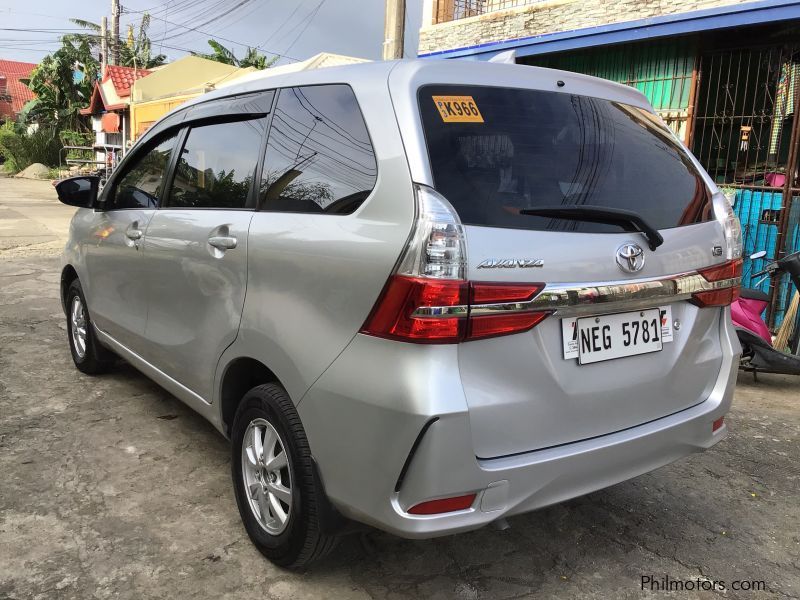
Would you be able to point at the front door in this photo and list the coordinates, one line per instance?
(195, 251)
(117, 294)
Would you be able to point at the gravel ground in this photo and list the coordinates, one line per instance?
(111, 488)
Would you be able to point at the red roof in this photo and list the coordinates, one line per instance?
(123, 78)
(16, 93)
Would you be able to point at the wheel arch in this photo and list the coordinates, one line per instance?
(240, 375)
(68, 275)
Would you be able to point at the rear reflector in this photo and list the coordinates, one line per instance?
(717, 424)
(730, 273)
(442, 311)
(443, 505)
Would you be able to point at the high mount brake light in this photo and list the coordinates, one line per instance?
(728, 275)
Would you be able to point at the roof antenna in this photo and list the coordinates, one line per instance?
(508, 57)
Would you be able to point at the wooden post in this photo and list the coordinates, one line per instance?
(103, 45)
(394, 26)
(114, 33)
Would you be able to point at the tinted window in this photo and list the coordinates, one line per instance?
(319, 157)
(217, 165)
(524, 149)
(142, 183)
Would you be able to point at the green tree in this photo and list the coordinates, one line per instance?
(252, 58)
(135, 52)
(63, 84)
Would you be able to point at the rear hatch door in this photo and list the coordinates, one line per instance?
(613, 355)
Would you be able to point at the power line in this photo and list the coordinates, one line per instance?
(309, 19)
(284, 23)
(219, 37)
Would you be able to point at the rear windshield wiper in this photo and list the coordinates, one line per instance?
(627, 219)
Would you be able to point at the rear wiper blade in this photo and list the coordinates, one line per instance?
(627, 219)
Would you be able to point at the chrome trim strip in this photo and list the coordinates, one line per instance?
(439, 312)
(583, 298)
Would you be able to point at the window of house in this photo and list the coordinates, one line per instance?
(319, 156)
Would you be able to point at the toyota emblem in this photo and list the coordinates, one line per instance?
(630, 257)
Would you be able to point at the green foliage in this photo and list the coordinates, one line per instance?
(59, 97)
(69, 137)
(251, 58)
(7, 131)
(136, 52)
(22, 150)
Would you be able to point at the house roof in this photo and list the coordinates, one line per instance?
(123, 77)
(113, 91)
(18, 92)
(733, 14)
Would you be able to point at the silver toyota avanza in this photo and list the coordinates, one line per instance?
(418, 295)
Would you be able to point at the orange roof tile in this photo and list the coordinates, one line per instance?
(16, 93)
(123, 78)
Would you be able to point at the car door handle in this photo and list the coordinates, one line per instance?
(222, 242)
(134, 234)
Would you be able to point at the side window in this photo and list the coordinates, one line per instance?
(142, 183)
(217, 165)
(319, 156)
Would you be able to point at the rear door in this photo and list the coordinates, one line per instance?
(497, 152)
(195, 248)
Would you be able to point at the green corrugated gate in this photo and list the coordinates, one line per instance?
(662, 71)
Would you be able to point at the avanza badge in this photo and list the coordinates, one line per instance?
(458, 109)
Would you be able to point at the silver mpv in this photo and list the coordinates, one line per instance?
(418, 295)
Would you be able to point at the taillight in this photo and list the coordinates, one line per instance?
(397, 313)
(499, 309)
(728, 277)
(731, 227)
(429, 301)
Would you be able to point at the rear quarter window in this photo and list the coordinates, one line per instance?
(319, 156)
(495, 151)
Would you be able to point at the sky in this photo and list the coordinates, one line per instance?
(293, 29)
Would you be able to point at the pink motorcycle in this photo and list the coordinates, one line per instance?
(758, 352)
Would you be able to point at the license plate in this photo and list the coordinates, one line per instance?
(606, 337)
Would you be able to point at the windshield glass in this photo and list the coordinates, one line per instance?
(496, 151)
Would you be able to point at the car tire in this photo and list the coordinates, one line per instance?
(266, 422)
(88, 354)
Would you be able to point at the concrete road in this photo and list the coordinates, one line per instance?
(32, 220)
(110, 488)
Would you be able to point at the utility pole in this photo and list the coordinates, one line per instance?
(103, 45)
(115, 10)
(394, 26)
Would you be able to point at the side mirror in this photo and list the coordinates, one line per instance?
(78, 191)
(759, 254)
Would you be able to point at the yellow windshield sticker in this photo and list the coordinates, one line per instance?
(458, 109)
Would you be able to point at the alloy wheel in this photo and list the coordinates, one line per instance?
(267, 476)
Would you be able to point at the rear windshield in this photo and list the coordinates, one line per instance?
(496, 151)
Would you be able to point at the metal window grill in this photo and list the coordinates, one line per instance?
(453, 10)
(663, 72)
(746, 136)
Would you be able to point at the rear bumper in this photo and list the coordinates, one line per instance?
(364, 416)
